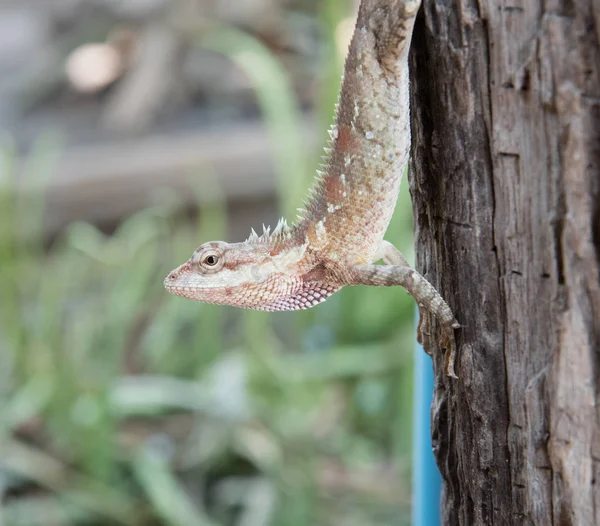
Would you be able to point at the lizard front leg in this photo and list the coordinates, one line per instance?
(390, 255)
(399, 273)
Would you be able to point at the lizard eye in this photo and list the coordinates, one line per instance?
(210, 260)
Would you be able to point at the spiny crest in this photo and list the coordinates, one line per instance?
(281, 232)
(316, 189)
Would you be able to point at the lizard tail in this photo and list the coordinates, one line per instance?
(391, 22)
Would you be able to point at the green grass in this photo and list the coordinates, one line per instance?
(121, 404)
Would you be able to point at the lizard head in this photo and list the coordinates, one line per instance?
(262, 273)
(238, 274)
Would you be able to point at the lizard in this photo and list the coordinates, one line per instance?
(338, 235)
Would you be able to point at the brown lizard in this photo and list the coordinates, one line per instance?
(339, 233)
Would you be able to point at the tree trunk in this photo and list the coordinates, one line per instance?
(505, 179)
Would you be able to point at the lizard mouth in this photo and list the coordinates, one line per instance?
(170, 283)
(178, 290)
(174, 286)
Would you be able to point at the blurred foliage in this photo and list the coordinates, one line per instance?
(121, 404)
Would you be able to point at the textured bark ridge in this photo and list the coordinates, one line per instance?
(505, 179)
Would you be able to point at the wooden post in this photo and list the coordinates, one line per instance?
(505, 179)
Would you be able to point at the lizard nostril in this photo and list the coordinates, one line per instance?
(172, 276)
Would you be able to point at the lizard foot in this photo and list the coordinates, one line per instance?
(423, 331)
(449, 344)
(447, 341)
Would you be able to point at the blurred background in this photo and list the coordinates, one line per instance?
(131, 132)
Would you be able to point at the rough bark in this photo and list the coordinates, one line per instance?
(505, 179)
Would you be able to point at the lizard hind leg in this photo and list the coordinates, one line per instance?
(398, 272)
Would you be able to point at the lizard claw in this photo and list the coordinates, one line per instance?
(448, 342)
(423, 331)
(449, 360)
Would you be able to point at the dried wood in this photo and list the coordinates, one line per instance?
(505, 180)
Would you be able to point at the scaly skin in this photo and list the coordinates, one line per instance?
(340, 233)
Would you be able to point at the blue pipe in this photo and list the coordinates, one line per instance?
(426, 478)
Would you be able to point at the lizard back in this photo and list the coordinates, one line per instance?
(351, 204)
